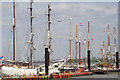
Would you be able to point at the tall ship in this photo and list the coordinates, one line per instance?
(27, 68)
(20, 68)
(110, 58)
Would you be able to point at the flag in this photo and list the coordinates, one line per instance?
(101, 49)
(91, 38)
(81, 24)
(84, 42)
(1, 57)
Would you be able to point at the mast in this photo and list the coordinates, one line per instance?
(49, 34)
(109, 45)
(79, 51)
(116, 52)
(115, 40)
(76, 44)
(70, 40)
(115, 43)
(14, 30)
(88, 51)
(31, 33)
(88, 37)
(103, 52)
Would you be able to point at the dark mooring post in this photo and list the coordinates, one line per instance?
(46, 61)
(117, 60)
(117, 54)
(88, 51)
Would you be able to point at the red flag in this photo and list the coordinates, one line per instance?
(83, 43)
(101, 49)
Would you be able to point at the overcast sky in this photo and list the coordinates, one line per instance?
(100, 15)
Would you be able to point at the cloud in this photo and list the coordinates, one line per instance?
(61, 7)
(111, 11)
(109, 8)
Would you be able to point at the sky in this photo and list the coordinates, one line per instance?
(62, 0)
(0, 28)
(100, 14)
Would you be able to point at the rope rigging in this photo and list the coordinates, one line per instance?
(9, 46)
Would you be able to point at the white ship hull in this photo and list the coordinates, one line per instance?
(17, 71)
